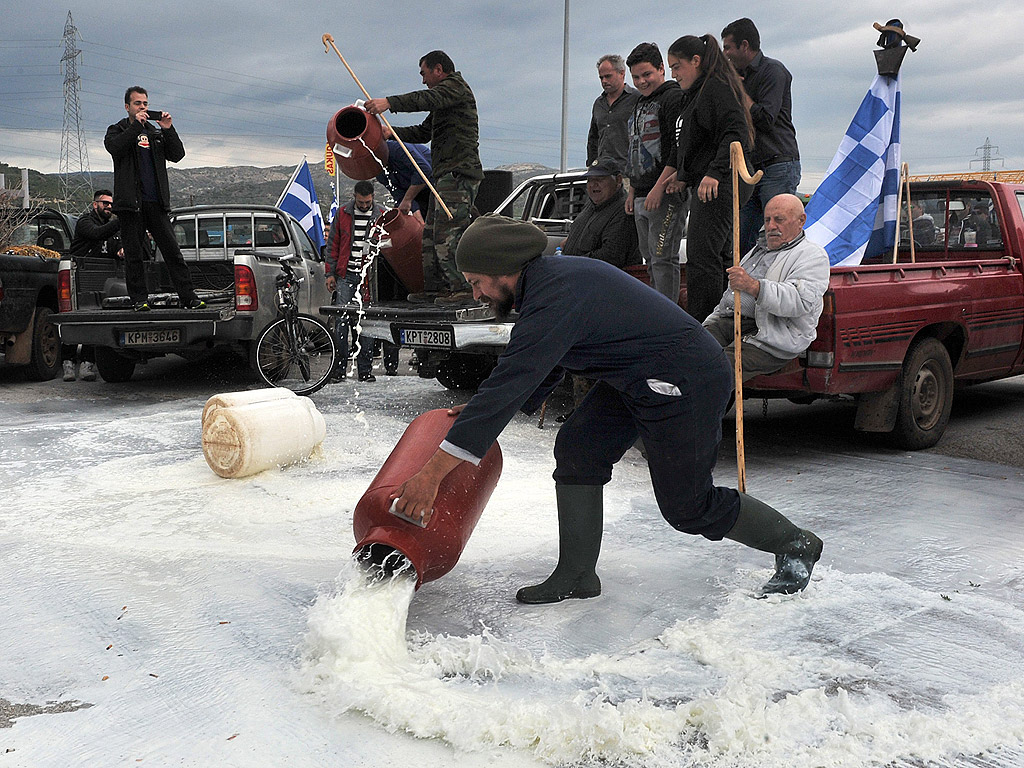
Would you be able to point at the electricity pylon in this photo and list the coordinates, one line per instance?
(75, 176)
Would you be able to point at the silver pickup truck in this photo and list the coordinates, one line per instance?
(233, 253)
(460, 347)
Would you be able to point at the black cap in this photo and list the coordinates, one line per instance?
(604, 166)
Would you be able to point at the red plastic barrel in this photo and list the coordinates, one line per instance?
(357, 140)
(435, 549)
(405, 254)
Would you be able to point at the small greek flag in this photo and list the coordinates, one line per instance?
(334, 204)
(853, 212)
(299, 199)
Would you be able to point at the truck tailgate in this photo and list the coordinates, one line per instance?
(154, 329)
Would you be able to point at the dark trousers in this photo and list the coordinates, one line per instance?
(709, 249)
(134, 225)
(681, 433)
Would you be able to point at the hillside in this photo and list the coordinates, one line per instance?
(211, 186)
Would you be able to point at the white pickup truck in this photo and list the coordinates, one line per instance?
(233, 253)
(460, 347)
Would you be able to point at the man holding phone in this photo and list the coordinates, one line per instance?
(141, 195)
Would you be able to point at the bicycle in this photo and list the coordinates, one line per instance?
(295, 351)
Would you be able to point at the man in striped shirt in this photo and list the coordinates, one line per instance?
(346, 254)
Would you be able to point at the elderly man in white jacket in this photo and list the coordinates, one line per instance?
(781, 284)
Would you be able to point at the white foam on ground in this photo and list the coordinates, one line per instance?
(674, 665)
(774, 682)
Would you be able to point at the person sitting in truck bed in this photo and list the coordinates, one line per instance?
(97, 235)
(603, 230)
(781, 283)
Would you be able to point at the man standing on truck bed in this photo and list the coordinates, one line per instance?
(611, 112)
(142, 197)
(768, 85)
(660, 376)
(96, 236)
(658, 214)
(452, 128)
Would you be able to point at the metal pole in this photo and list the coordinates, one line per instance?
(565, 92)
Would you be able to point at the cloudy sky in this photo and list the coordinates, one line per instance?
(251, 85)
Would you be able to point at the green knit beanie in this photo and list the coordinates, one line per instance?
(498, 245)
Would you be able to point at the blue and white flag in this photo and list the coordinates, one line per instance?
(334, 204)
(299, 199)
(853, 212)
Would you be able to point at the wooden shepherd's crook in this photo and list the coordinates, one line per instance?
(327, 38)
(904, 182)
(739, 171)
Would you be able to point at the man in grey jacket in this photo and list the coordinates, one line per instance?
(781, 284)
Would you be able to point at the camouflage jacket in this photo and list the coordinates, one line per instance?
(452, 127)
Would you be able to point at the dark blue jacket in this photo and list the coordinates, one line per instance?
(402, 174)
(590, 318)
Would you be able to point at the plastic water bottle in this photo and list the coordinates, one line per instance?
(558, 251)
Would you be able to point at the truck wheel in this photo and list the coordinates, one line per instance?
(926, 395)
(45, 360)
(462, 371)
(113, 366)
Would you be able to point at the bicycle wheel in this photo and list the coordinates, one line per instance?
(297, 354)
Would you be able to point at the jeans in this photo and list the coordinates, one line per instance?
(342, 330)
(343, 294)
(778, 179)
(659, 233)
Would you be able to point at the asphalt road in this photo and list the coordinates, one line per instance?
(987, 421)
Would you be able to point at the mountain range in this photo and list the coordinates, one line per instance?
(215, 186)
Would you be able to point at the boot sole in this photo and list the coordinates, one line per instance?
(547, 600)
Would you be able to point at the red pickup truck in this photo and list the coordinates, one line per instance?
(899, 336)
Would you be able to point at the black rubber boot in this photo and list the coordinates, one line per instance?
(580, 525)
(796, 550)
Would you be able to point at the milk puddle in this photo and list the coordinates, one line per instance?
(839, 676)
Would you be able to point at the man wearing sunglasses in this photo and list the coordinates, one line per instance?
(97, 234)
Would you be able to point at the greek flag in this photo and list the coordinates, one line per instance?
(853, 213)
(334, 203)
(299, 199)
